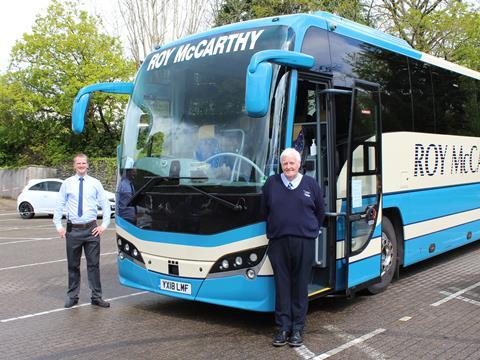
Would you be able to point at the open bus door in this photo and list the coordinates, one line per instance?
(313, 135)
(364, 185)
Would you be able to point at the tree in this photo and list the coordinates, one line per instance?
(444, 28)
(438, 27)
(64, 52)
(467, 52)
(230, 11)
(151, 23)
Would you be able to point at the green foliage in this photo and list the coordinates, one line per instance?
(240, 10)
(64, 52)
(444, 28)
(104, 169)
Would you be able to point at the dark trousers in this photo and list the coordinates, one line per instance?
(76, 240)
(292, 259)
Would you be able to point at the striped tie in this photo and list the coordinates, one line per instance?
(290, 186)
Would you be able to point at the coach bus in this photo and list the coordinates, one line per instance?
(391, 135)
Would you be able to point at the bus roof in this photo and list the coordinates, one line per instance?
(376, 37)
(301, 22)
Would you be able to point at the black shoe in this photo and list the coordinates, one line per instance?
(71, 302)
(296, 339)
(280, 338)
(100, 302)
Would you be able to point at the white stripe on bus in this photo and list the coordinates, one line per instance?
(439, 224)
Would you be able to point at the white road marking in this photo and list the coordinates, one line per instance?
(354, 342)
(471, 301)
(26, 239)
(14, 213)
(405, 318)
(368, 350)
(47, 262)
(27, 227)
(64, 309)
(456, 294)
(304, 352)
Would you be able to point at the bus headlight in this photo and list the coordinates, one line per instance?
(240, 260)
(127, 250)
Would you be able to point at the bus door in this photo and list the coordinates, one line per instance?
(313, 137)
(363, 189)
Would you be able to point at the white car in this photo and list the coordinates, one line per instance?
(40, 197)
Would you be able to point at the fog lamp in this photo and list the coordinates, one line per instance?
(251, 274)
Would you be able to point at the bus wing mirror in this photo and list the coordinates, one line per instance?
(257, 91)
(259, 76)
(82, 100)
(79, 112)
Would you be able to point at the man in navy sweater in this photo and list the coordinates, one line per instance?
(294, 210)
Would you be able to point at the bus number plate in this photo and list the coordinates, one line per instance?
(176, 286)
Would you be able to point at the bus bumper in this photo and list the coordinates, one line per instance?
(234, 291)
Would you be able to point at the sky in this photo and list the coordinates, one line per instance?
(18, 16)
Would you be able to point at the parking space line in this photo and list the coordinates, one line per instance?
(14, 213)
(18, 241)
(47, 262)
(349, 344)
(471, 301)
(46, 226)
(305, 353)
(64, 309)
(368, 350)
(454, 295)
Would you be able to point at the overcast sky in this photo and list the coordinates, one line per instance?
(18, 16)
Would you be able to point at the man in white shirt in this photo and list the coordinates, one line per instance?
(81, 194)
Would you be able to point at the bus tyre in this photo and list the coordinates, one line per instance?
(389, 257)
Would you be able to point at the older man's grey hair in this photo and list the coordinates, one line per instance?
(290, 152)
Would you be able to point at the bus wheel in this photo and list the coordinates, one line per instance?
(389, 257)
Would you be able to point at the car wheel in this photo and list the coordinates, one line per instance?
(26, 210)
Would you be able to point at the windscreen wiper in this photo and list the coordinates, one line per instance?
(235, 207)
(152, 180)
(239, 206)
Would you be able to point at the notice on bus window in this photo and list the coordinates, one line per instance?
(356, 194)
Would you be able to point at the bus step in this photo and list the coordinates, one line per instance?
(315, 290)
